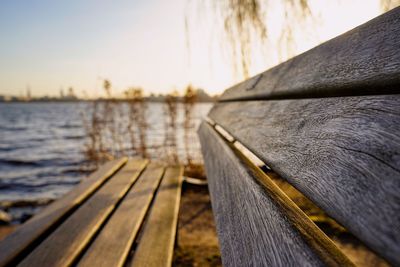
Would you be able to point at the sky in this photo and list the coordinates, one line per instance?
(48, 45)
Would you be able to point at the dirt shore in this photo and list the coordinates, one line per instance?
(197, 243)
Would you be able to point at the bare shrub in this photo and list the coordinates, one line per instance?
(118, 127)
(170, 128)
(189, 100)
(137, 124)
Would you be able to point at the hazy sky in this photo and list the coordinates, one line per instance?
(53, 44)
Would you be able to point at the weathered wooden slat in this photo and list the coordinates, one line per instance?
(19, 241)
(112, 245)
(343, 153)
(156, 245)
(63, 245)
(365, 60)
(257, 224)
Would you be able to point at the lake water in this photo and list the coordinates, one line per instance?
(42, 145)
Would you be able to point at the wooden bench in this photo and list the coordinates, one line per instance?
(124, 213)
(328, 123)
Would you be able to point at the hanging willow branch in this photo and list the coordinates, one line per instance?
(244, 24)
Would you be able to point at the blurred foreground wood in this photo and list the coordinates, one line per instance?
(126, 213)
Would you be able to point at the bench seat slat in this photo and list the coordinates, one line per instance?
(343, 153)
(112, 245)
(363, 61)
(252, 228)
(20, 240)
(156, 244)
(63, 245)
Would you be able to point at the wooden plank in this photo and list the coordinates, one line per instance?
(112, 245)
(156, 245)
(343, 153)
(363, 61)
(66, 243)
(257, 223)
(20, 240)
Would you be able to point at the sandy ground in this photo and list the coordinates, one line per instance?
(197, 239)
(358, 253)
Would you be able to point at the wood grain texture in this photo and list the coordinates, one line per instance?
(365, 60)
(20, 240)
(252, 229)
(63, 246)
(156, 245)
(112, 245)
(326, 249)
(342, 153)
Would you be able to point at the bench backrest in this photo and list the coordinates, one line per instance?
(328, 122)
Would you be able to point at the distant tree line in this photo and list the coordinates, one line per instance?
(202, 96)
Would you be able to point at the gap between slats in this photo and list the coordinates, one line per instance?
(325, 223)
(394, 90)
(132, 170)
(150, 167)
(139, 235)
(44, 232)
(117, 205)
(342, 153)
(167, 183)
